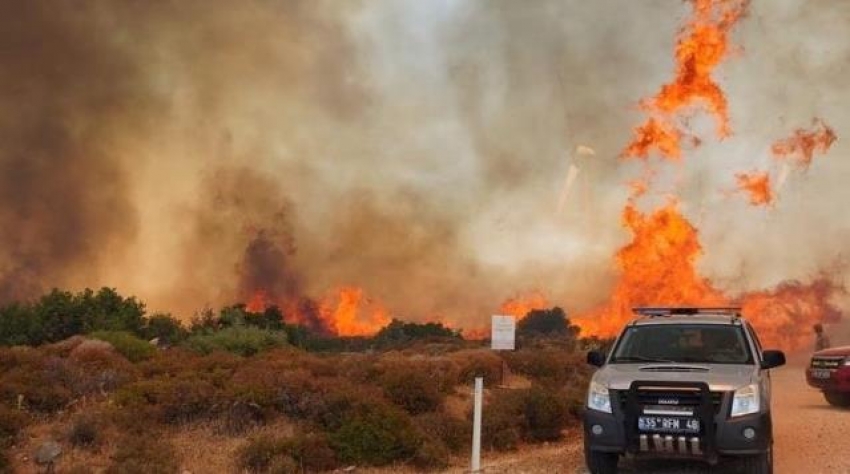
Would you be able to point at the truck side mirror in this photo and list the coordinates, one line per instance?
(596, 358)
(772, 359)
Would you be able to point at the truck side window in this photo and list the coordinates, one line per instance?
(755, 339)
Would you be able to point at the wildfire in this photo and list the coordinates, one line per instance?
(656, 268)
(702, 44)
(258, 302)
(350, 313)
(802, 145)
(519, 306)
(655, 134)
(785, 314)
(345, 312)
(757, 185)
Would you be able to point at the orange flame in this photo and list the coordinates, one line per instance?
(802, 145)
(519, 306)
(345, 312)
(655, 134)
(701, 46)
(258, 302)
(757, 185)
(784, 315)
(657, 268)
(350, 313)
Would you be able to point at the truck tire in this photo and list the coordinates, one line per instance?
(601, 463)
(837, 399)
(760, 463)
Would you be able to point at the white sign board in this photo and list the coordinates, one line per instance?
(503, 333)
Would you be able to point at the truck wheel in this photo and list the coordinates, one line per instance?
(837, 399)
(760, 463)
(601, 463)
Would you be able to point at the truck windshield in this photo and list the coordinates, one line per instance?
(699, 343)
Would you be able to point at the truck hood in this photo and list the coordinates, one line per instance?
(842, 351)
(719, 377)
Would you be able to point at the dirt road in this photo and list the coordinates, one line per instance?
(810, 438)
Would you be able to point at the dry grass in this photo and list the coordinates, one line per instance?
(202, 451)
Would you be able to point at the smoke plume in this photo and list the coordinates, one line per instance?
(190, 153)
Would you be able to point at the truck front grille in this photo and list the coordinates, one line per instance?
(658, 397)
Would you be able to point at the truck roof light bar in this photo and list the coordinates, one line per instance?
(655, 311)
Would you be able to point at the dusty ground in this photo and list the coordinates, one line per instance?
(810, 436)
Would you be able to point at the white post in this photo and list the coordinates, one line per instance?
(476, 426)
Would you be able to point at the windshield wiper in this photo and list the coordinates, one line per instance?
(641, 359)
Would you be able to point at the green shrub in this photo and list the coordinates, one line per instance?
(546, 414)
(149, 454)
(244, 341)
(549, 323)
(128, 345)
(165, 328)
(375, 434)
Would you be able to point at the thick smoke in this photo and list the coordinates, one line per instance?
(68, 97)
(186, 152)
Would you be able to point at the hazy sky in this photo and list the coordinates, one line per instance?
(414, 148)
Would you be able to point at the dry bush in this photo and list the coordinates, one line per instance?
(85, 431)
(175, 400)
(535, 414)
(12, 422)
(5, 463)
(454, 433)
(95, 367)
(148, 454)
(442, 372)
(553, 366)
(77, 469)
(474, 363)
(41, 380)
(241, 416)
(359, 368)
(63, 348)
(411, 387)
(431, 454)
(310, 453)
(258, 453)
(503, 423)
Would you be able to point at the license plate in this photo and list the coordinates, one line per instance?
(821, 373)
(666, 424)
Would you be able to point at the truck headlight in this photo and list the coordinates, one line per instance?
(598, 398)
(746, 401)
(847, 361)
